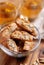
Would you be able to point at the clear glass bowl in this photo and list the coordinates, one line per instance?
(22, 54)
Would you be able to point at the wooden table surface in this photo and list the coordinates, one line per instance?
(7, 60)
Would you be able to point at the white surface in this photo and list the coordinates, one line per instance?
(39, 22)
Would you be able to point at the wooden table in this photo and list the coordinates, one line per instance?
(7, 60)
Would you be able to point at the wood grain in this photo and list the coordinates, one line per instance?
(3, 58)
(35, 55)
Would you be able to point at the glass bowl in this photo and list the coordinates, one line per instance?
(22, 54)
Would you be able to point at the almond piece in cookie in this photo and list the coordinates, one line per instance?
(8, 29)
(27, 26)
(12, 26)
(12, 45)
(21, 35)
(6, 33)
(17, 35)
(28, 45)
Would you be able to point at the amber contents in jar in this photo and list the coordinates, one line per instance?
(31, 8)
(7, 12)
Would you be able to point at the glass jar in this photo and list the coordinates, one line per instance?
(31, 8)
(8, 10)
